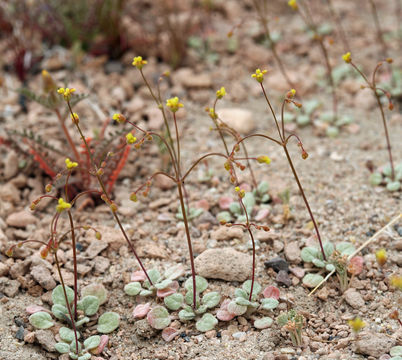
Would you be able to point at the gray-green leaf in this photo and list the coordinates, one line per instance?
(58, 295)
(41, 320)
(108, 322)
(206, 323)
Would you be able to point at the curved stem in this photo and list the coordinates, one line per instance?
(253, 274)
(198, 161)
(68, 137)
(272, 111)
(74, 263)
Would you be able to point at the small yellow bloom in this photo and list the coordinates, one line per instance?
(62, 205)
(237, 189)
(121, 119)
(291, 93)
(347, 58)
(75, 118)
(131, 139)
(381, 257)
(221, 93)
(293, 4)
(70, 164)
(66, 92)
(264, 159)
(259, 75)
(138, 62)
(133, 197)
(212, 114)
(356, 324)
(173, 104)
(396, 281)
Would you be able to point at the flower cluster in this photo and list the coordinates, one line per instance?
(70, 164)
(173, 104)
(119, 118)
(75, 118)
(221, 93)
(62, 205)
(66, 92)
(347, 58)
(138, 62)
(259, 75)
(293, 4)
(241, 192)
(130, 138)
(264, 159)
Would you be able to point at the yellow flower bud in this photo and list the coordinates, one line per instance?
(75, 118)
(70, 164)
(66, 92)
(62, 205)
(130, 138)
(259, 75)
(347, 57)
(293, 4)
(264, 159)
(356, 324)
(138, 62)
(173, 104)
(221, 93)
(119, 118)
(381, 257)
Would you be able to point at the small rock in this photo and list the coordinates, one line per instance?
(101, 264)
(29, 337)
(240, 335)
(151, 249)
(46, 339)
(277, 264)
(155, 118)
(226, 264)
(323, 293)
(10, 193)
(278, 246)
(241, 120)
(10, 165)
(398, 244)
(112, 236)
(374, 344)
(292, 252)
(283, 278)
(9, 287)
(3, 269)
(144, 330)
(95, 248)
(227, 233)
(20, 219)
(353, 298)
(298, 272)
(43, 276)
(20, 333)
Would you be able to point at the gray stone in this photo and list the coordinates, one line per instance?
(43, 276)
(374, 344)
(9, 287)
(277, 264)
(239, 119)
(143, 329)
(20, 219)
(226, 264)
(46, 339)
(353, 298)
(283, 278)
(227, 233)
(95, 248)
(292, 252)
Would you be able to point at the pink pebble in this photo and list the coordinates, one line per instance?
(203, 204)
(355, 266)
(262, 214)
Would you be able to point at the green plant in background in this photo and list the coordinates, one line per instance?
(393, 184)
(293, 323)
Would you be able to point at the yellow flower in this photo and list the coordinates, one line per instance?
(237, 189)
(264, 159)
(75, 118)
(119, 118)
(381, 257)
(259, 75)
(347, 57)
(396, 281)
(293, 4)
(173, 104)
(133, 197)
(66, 92)
(62, 205)
(291, 93)
(138, 62)
(70, 164)
(221, 93)
(212, 113)
(356, 324)
(131, 139)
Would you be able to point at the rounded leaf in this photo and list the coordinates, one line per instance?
(189, 298)
(263, 323)
(309, 253)
(200, 283)
(355, 265)
(41, 320)
(132, 288)
(141, 310)
(235, 208)
(269, 303)
(312, 280)
(67, 335)
(375, 178)
(169, 333)
(97, 290)
(241, 293)
(174, 272)
(154, 275)
(90, 305)
(62, 347)
(138, 276)
(262, 187)
(146, 292)
(186, 315)
(211, 299)
(92, 342)
(396, 351)
(84, 357)
(319, 263)
(163, 284)
(233, 308)
(206, 323)
(158, 318)
(174, 301)
(393, 186)
(271, 292)
(60, 311)
(171, 289)
(242, 301)
(73, 348)
(224, 216)
(224, 315)
(256, 288)
(330, 267)
(58, 295)
(303, 120)
(104, 340)
(82, 321)
(108, 322)
(328, 249)
(345, 248)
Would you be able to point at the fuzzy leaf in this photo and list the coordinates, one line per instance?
(224, 216)
(396, 351)
(211, 299)
(146, 292)
(67, 335)
(158, 318)
(163, 284)
(282, 319)
(319, 263)
(375, 178)
(186, 315)
(206, 323)
(271, 292)
(58, 295)
(60, 312)
(141, 310)
(97, 290)
(249, 202)
(189, 298)
(41, 320)
(269, 303)
(263, 323)
(200, 283)
(256, 288)
(92, 342)
(174, 301)
(174, 272)
(312, 280)
(242, 301)
(328, 249)
(73, 347)
(90, 305)
(62, 347)
(345, 248)
(235, 208)
(309, 253)
(303, 120)
(393, 186)
(155, 277)
(233, 308)
(329, 267)
(108, 322)
(132, 288)
(82, 321)
(241, 293)
(262, 188)
(84, 357)
(171, 289)
(201, 310)
(169, 333)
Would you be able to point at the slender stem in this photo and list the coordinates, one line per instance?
(177, 142)
(66, 299)
(378, 27)
(253, 274)
(305, 199)
(338, 22)
(74, 263)
(272, 111)
(68, 137)
(190, 247)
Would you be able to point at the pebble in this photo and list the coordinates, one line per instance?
(227, 233)
(10, 165)
(101, 264)
(298, 272)
(10, 193)
(239, 119)
(3, 269)
(20, 219)
(43, 276)
(9, 287)
(283, 278)
(240, 335)
(374, 344)
(353, 298)
(225, 264)
(20, 333)
(95, 248)
(292, 252)
(151, 249)
(277, 264)
(46, 339)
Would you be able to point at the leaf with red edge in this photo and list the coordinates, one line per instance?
(104, 339)
(32, 309)
(138, 276)
(171, 289)
(355, 266)
(169, 333)
(271, 292)
(224, 202)
(141, 310)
